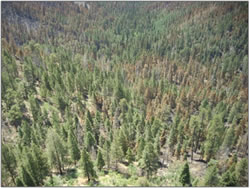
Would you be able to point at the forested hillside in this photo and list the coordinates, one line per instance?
(124, 93)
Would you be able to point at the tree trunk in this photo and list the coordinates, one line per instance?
(88, 177)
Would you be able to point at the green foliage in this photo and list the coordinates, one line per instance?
(99, 161)
(228, 179)
(8, 162)
(89, 141)
(149, 160)
(55, 150)
(212, 176)
(73, 146)
(185, 178)
(116, 150)
(87, 166)
(241, 172)
(130, 157)
(166, 78)
(214, 137)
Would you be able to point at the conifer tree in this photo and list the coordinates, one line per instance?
(214, 137)
(8, 162)
(123, 141)
(157, 146)
(116, 150)
(228, 179)
(41, 163)
(25, 177)
(30, 165)
(178, 151)
(149, 160)
(172, 139)
(107, 153)
(242, 172)
(140, 148)
(211, 177)
(99, 161)
(129, 156)
(229, 138)
(55, 149)
(73, 147)
(185, 179)
(26, 133)
(19, 183)
(87, 166)
(89, 141)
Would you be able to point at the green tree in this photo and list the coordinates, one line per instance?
(25, 177)
(55, 149)
(178, 151)
(26, 133)
(228, 179)
(89, 141)
(34, 107)
(87, 166)
(8, 162)
(116, 150)
(214, 137)
(211, 178)
(74, 151)
(184, 178)
(242, 172)
(130, 157)
(107, 153)
(149, 160)
(41, 163)
(157, 146)
(99, 161)
(228, 140)
(15, 115)
(140, 148)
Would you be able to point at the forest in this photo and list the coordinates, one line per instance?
(124, 94)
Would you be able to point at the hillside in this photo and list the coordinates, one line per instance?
(124, 93)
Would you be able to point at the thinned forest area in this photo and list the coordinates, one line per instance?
(124, 94)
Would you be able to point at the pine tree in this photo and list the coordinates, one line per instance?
(140, 148)
(211, 177)
(172, 138)
(116, 150)
(19, 183)
(242, 172)
(25, 177)
(87, 166)
(228, 179)
(214, 137)
(8, 162)
(41, 162)
(30, 165)
(149, 160)
(99, 161)
(26, 133)
(55, 149)
(178, 151)
(107, 153)
(157, 146)
(129, 156)
(123, 141)
(89, 141)
(89, 117)
(185, 179)
(228, 140)
(73, 147)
